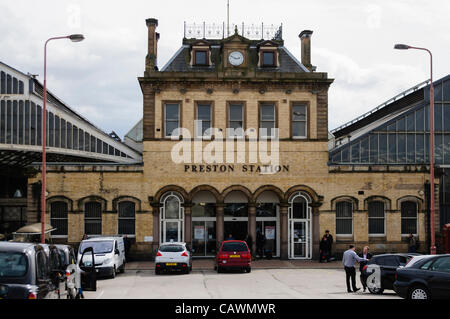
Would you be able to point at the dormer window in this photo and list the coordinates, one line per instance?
(268, 58)
(200, 57)
(268, 54)
(201, 54)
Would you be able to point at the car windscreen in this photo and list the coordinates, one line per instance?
(13, 264)
(171, 248)
(100, 247)
(234, 247)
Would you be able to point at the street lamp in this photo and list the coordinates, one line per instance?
(73, 38)
(433, 237)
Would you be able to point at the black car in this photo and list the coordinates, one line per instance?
(428, 277)
(25, 272)
(379, 273)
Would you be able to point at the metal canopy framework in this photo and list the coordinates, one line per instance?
(70, 137)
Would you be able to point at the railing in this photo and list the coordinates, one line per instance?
(406, 92)
(220, 31)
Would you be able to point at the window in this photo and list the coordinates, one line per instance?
(58, 218)
(376, 218)
(409, 217)
(267, 120)
(235, 119)
(13, 264)
(93, 218)
(204, 118)
(268, 59)
(171, 118)
(41, 265)
(127, 218)
(344, 218)
(298, 121)
(442, 264)
(201, 57)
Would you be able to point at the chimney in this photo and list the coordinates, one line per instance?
(305, 38)
(152, 52)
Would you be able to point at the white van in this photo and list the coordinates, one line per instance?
(109, 254)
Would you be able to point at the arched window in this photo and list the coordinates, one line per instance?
(299, 206)
(127, 218)
(58, 218)
(93, 218)
(377, 218)
(344, 218)
(409, 217)
(172, 217)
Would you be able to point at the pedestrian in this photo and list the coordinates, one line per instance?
(260, 242)
(230, 237)
(323, 249)
(349, 259)
(411, 243)
(330, 243)
(365, 254)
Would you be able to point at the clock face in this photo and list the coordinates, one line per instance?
(236, 58)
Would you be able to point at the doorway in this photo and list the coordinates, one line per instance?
(238, 228)
(299, 226)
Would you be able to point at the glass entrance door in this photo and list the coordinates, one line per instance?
(270, 230)
(204, 238)
(172, 231)
(299, 239)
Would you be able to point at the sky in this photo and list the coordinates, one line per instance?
(352, 41)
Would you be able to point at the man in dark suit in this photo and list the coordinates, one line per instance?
(367, 255)
(329, 244)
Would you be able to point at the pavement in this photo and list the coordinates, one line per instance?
(208, 264)
(261, 283)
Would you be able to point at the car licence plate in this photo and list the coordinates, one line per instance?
(171, 264)
(235, 256)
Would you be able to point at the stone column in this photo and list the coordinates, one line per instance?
(219, 223)
(156, 226)
(252, 225)
(284, 230)
(188, 223)
(315, 233)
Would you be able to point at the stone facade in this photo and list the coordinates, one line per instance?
(303, 164)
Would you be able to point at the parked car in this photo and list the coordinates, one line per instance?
(426, 277)
(109, 254)
(379, 273)
(173, 256)
(25, 272)
(233, 254)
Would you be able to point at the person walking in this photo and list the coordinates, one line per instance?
(365, 254)
(323, 248)
(329, 243)
(349, 258)
(411, 243)
(260, 242)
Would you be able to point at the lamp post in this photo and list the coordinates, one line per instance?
(432, 231)
(73, 38)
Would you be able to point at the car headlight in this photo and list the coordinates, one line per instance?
(107, 261)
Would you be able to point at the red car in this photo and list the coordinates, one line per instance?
(233, 254)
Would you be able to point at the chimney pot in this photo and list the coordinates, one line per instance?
(305, 38)
(152, 52)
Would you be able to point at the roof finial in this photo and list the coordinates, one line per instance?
(235, 30)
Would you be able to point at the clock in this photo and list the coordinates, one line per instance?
(236, 58)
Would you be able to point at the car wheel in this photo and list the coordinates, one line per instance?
(113, 275)
(219, 270)
(215, 267)
(122, 269)
(249, 269)
(157, 271)
(418, 292)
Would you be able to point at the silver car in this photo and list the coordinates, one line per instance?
(173, 256)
